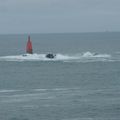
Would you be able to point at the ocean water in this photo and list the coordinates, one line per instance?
(81, 83)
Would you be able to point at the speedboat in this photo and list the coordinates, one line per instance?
(29, 50)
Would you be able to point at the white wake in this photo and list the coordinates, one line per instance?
(80, 57)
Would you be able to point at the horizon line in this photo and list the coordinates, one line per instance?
(59, 33)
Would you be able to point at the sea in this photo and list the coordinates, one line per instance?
(82, 82)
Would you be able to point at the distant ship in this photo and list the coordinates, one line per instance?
(29, 50)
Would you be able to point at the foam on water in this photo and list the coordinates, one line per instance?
(81, 57)
(9, 91)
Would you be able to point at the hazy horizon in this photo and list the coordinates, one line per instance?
(60, 33)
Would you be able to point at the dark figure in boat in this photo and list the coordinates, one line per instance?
(50, 55)
(29, 50)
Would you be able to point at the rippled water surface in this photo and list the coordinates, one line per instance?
(81, 83)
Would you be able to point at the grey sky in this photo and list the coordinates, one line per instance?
(50, 16)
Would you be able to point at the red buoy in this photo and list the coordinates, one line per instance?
(29, 46)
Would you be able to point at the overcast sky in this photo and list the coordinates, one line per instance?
(51, 16)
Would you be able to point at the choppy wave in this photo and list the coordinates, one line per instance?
(9, 91)
(79, 57)
(15, 96)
